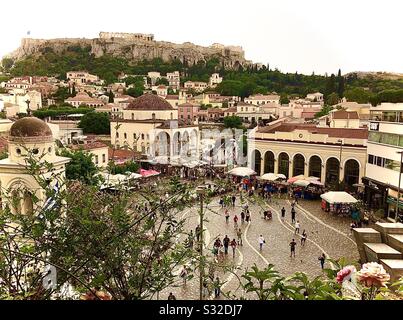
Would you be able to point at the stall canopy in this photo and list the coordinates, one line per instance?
(293, 179)
(148, 173)
(269, 177)
(302, 183)
(338, 197)
(242, 172)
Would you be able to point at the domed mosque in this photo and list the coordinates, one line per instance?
(150, 125)
(30, 139)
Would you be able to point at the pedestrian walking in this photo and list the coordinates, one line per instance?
(183, 274)
(242, 216)
(197, 232)
(171, 296)
(292, 215)
(239, 235)
(226, 242)
(261, 241)
(191, 239)
(322, 260)
(226, 216)
(221, 202)
(247, 215)
(282, 213)
(303, 239)
(233, 246)
(292, 246)
(236, 221)
(217, 289)
(297, 227)
(233, 200)
(352, 226)
(205, 289)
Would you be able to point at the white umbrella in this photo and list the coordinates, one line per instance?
(281, 176)
(311, 178)
(302, 183)
(242, 172)
(269, 177)
(338, 197)
(134, 175)
(316, 183)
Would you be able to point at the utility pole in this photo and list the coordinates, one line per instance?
(200, 192)
(398, 190)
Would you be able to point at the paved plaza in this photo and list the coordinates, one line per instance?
(326, 234)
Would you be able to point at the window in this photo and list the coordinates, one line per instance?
(117, 134)
(371, 159)
(380, 161)
(142, 136)
(18, 150)
(376, 115)
(389, 116)
(400, 115)
(103, 158)
(96, 159)
(392, 139)
(125, 135)
(134, 136)
(132, 116)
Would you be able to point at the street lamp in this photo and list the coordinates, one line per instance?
(200, 190)
(340, 168)
(398, 189)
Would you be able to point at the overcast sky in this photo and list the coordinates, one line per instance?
(292, 35)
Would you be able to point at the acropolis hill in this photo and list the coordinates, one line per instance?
(136, 47)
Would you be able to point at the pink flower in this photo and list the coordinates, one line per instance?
(345, 273)
(373, 274)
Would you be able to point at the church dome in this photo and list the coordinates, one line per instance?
(149, 102)
(29, 128)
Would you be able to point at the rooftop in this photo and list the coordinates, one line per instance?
(331, 132)
(149, 102)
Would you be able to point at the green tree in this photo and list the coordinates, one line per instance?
(284, 99)
(162, 81)
(81, 166)
(111, 96)
(358, 95)
(325, 111)
(135, 92)
(95, 122)
(7, 63)
(233, 122)
(340, 85)
(332, 99)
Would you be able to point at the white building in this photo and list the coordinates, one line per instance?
(385, 141)
(154, 76)
(259, 99)
(315, 97)
(174, 79)
(215, 79)
(81, 77)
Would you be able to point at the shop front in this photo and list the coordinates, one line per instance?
(376, 194)
(392, 205)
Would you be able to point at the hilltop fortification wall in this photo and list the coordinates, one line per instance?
(136, 47)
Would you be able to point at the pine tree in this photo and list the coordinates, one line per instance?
(340, 86)
(111, 97)
(73, 90)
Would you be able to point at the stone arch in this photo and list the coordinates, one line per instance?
(256, 161)
(332, 171)
(315, 166)
(269, 162)
(351, 172)
(163, 144)
(298, 164)
(176, 143)
(283, 163)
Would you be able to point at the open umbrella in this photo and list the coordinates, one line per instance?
(302, 183)
(242, 172)
(311, 178)
(293, 179)
(338, 197)
(281, 176)
(269, 177)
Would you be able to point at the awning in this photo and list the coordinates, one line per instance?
(242, 172)
(338, 197)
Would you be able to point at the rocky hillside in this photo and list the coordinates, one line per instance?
(135, 50)
(376, 75)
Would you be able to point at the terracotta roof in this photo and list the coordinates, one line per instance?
(83, 96)
(215, 110)
(89, 146)
(149, 102)
(332, 132)
(232, 109)
(342, 114)
(264, 97)
(121, 154)
(188, 105)
(172, 97)
(30, 127)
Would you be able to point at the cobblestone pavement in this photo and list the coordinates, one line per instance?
(326, 234)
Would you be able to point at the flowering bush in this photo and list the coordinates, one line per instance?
(345, 273)
(373, 274)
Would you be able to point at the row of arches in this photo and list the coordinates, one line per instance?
(181, 143)
(315, 166)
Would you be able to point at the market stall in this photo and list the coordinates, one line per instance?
(338, 202)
